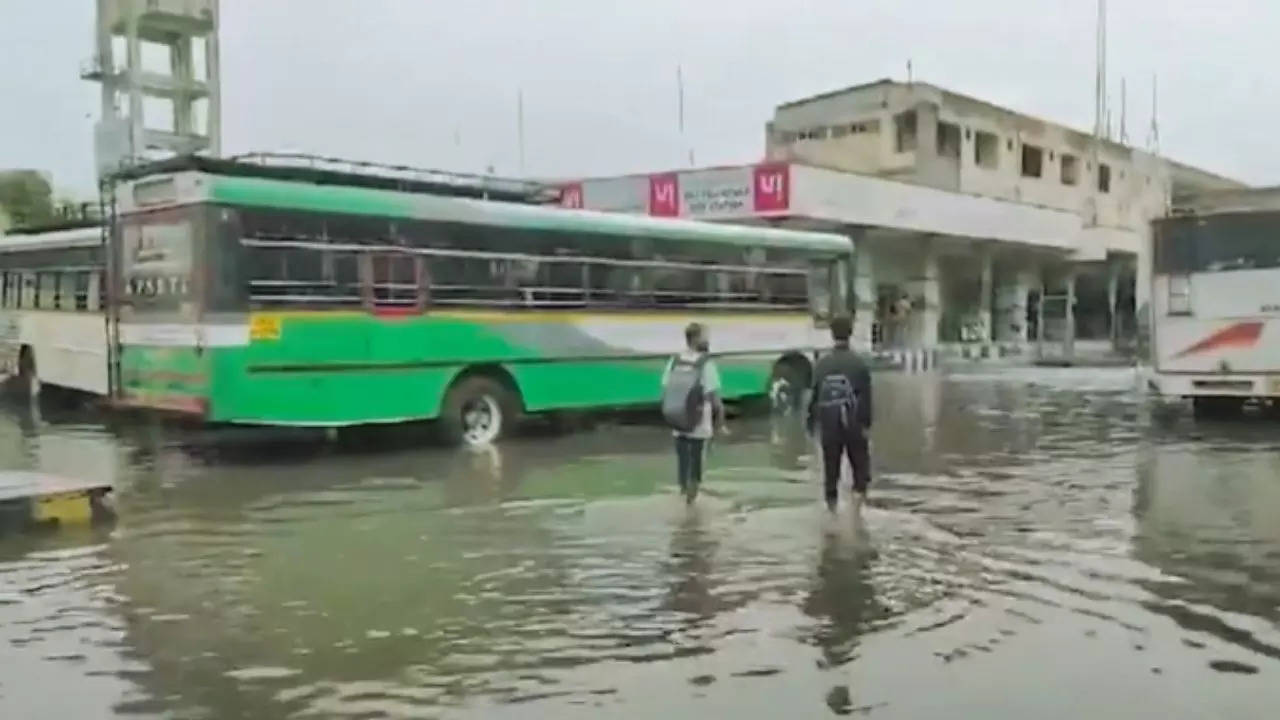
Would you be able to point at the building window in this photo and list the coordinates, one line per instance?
(839, 131)
(948, 136)
(1010, 144)
(986, 150)
(1032, 161)
(1070, 169)
(905, 125)
(1104, 178)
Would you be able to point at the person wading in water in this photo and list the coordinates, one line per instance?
(840, 414)
(691, 405)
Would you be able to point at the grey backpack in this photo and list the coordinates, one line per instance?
(837, 403)
(683, 395)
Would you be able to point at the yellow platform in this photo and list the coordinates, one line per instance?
(51, 499)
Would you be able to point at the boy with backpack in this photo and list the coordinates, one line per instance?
(691, 405)
(840, 411)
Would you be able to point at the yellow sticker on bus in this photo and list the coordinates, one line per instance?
(264, 327)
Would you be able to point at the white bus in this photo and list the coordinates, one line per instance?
(1216, 301)
(52, 324)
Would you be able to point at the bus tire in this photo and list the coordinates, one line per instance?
(27, 382)
(787, 384)
(1217, 407)
(477, 411)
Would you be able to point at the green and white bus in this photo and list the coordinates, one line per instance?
(238, 295)
(52, 327)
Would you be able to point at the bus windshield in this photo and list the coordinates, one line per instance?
(1217, 243)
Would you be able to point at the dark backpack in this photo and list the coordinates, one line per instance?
(683, 396)
(837, 403)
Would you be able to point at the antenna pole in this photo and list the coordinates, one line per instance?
(680, 111)
(1155, 114)
(680, 100)
(1100, 81)
(1124, 128)
(520, 127)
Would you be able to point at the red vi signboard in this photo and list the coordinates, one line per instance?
(723, 192)
(571, 196)
(771, 187)
(664, 195)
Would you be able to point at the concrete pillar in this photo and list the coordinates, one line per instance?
(213, 70)
(183, 74)
(1010, 311)
(1142, 296)
(133, 45)
(1040, 317)
(1113, 298)
(864, 291)
(107, 62)
(926, 299)
(1069, 338)
(987, 258)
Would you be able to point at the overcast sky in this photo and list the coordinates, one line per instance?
(434, 82)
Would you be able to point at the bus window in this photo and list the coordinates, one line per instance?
(393, 280)
(47, 291)
(1218, 243)
(1179, 301)
(66, 294)
(81, 280)
(94, 291)
(822, 278)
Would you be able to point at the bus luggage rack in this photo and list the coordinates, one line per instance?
(468, 183)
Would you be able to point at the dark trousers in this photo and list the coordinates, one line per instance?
(835, 447)
(689, 463)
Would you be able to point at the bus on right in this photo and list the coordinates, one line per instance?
(1215, 300)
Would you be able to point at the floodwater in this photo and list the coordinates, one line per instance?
(1040, 544)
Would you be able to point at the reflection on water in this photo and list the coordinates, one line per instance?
(1034, 543)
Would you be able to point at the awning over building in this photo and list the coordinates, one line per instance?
(844, 200)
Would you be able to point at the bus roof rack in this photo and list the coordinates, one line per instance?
(323, 170)
(66, 216)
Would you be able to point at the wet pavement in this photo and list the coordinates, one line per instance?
(1041, 543)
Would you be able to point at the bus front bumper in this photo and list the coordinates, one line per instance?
(1189, 385)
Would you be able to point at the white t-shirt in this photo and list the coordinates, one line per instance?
(710, 384)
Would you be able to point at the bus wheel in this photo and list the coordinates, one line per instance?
(1210, 408)
(786, 387)
(477, 411)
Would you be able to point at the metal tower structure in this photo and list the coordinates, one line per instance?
(157, 62)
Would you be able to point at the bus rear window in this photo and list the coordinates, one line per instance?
(156, 255)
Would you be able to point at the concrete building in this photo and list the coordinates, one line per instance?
(922, 134)
(977, 227)
(157, 62)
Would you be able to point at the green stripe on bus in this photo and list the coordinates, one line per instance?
(407, 366)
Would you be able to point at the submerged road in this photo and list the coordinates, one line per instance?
(1038, 546)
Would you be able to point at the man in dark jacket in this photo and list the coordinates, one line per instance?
(840, 413)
